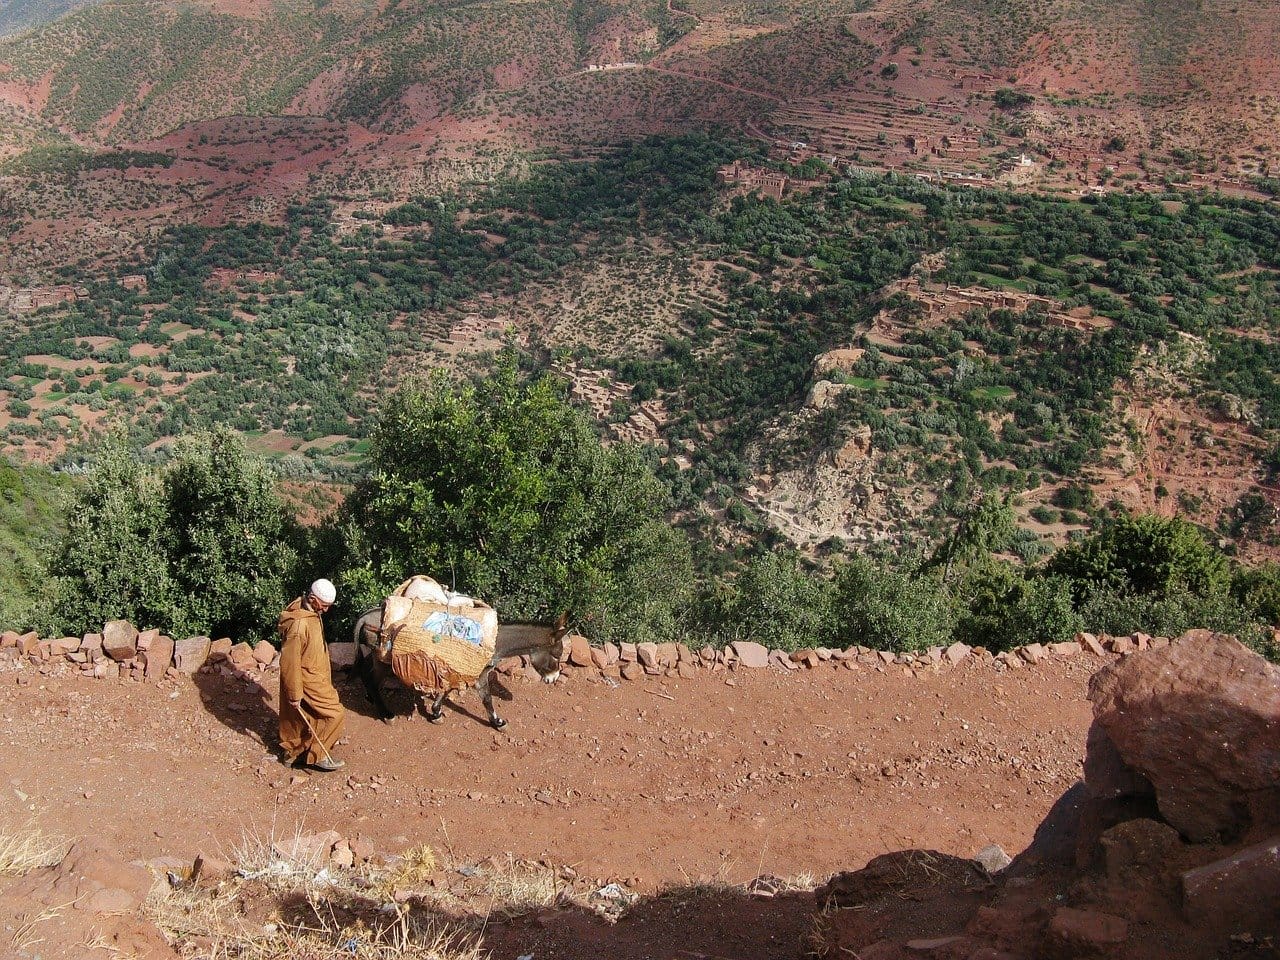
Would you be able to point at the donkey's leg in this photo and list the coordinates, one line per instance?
(372, 678)
(486, 696)
(437, 711)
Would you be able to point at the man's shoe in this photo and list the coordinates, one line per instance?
(329, 764)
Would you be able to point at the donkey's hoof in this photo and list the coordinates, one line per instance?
(497, 723)
(436, 717)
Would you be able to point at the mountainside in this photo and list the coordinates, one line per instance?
(851, 364)
(1200, 76)
(1026, 303)
(139, 68)
(19, 15)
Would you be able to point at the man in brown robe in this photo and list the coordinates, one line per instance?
(306, 683)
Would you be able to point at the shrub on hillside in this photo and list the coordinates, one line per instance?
(201, 546)
(503, 489)
(1008, 607)
(1171, 615)
(889, 610)
(779, 603)
(31, 509)
(1146, 555)
(1258, 589)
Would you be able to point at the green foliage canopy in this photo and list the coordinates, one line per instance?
(887, 609)
(202, 546)
(503, 488)
(1144, 554)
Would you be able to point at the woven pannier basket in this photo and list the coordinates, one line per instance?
(436, 646)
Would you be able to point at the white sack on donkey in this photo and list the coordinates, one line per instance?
(437, 641)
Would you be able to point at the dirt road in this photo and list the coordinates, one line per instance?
(657, 782)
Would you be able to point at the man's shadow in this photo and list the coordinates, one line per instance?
(240, 701)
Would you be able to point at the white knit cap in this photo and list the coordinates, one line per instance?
(324, 591)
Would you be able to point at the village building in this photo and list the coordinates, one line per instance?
(959, 147)
(18, 302)
(762, 182)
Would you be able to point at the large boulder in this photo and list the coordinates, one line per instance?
(190, 653)
(1195, 726)
(120, 640)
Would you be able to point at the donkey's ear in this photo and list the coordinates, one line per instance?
(562, 622)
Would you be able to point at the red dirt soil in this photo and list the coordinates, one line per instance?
(659, 783)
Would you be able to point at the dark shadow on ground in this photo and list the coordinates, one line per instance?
(405, 704)
(240, 702)
(694, 923)
(690, 923)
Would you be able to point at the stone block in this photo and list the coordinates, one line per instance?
(120, 640)
(750, 654)
(159, 657)
(1240, 889)
(190, 654)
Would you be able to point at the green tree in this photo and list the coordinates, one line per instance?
(777, 602)
(202, 545)
(231, 540)
(113, 559)
(986, 528)
(503, 489)
(1004, 607)
(1146, 554)
(1258, 588)
(889, 609)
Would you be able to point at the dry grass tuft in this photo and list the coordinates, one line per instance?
(415, 866)
(27, 848)
(282, 906)
(217, 926)
(520, 885)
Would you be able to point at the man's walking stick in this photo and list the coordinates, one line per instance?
(314, 735)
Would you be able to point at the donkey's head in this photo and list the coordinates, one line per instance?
(546, 658)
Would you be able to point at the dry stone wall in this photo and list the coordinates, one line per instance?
(121, 651)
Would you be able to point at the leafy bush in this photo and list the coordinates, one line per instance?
(1170, 615)
(31, 507)
(1144, 555)
(503, 489)
(1258, 589)
(1008, 99)
(1043, 514)
(1008, 607)
(776, 602)
(200, 547)
(889, 610)
(232, 552)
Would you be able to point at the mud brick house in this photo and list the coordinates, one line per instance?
(919, 144)
(765, 183)
(29, 300)
(959, 147)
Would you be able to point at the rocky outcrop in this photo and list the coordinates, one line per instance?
(1176, 833)
(1196, 726)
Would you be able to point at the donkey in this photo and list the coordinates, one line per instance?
(540, 642)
